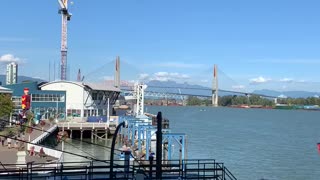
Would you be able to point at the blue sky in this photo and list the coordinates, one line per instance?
(258, 44)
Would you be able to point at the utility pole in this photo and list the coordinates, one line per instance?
(66, 16)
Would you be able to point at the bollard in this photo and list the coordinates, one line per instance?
(127, 162)
(150, 166)
(159, 147)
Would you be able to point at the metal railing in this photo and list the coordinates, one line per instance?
(90, 170)
(86, 125)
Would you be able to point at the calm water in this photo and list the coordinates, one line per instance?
(253, 143)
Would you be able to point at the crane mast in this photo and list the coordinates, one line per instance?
(66, 16)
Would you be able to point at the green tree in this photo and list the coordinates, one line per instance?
(193, 101)
(6, 105)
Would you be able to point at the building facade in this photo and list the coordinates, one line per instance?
(4, 90)
(85, 99)
(12, 73)
(46, 102)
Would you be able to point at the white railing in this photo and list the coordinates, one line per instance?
(87, 125)
(47, 151)
(44, 134)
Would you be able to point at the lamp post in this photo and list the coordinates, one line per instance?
(112, 147)
(57, 106)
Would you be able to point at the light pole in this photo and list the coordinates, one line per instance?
(57, 106)
(112, 147)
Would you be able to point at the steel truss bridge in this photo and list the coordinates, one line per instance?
(128, 90)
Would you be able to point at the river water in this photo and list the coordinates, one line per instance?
(252, 143)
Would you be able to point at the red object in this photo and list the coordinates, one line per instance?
(42, 123)
(25, 99)
(25, 102)
(318, 147)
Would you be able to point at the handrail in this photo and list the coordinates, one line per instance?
(44, 134)
(3, 166)
(229, 174)
(91, 125)
(94, 169)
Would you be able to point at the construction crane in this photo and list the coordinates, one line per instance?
(66, 16)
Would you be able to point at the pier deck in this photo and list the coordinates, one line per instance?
(94, 127)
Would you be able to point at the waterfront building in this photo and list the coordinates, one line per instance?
(12, 73)
(49, 103)
(4, 90)
(85, 99)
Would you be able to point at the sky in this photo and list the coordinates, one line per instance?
(256, 44)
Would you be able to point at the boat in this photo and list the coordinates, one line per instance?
(283, 106)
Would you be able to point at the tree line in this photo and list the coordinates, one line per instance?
(251, 100)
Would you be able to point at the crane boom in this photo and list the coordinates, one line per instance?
(66, 16)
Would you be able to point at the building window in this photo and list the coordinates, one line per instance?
(47, 98)
(94, 96)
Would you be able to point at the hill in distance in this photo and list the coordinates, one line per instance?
(185, 88)
(20, 79)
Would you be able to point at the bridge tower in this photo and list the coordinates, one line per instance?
(117, 73)
(215, 87)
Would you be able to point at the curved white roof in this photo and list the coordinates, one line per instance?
(93, 86)
(5, 90)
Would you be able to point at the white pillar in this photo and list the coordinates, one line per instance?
(108, 110)
(215, 87)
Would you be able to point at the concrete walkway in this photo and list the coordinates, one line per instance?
(9, 156)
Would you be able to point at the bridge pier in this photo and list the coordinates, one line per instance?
(91, 135)
(96, 135)
(71, 134)
(106, 134)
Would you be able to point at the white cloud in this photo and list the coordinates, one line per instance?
(166, 76)
(287, 80)
(8, 58)
(238, 87)
(179, 65)
(259, 80)
(204, 81)
(143, 76)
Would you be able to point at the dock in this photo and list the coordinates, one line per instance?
(95, 128)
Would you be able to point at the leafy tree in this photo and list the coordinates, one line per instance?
(6, 105)
(193, 101)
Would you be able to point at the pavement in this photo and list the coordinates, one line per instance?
(9, 156)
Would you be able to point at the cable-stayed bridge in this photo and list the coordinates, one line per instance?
(162, 83)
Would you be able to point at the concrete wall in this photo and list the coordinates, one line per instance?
(75, 93)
